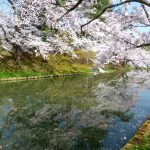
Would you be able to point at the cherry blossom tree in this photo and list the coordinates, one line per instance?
(50, 26)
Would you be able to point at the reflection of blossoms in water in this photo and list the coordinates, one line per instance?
(142, 78)
(54, 121)
(111, 97)
(116, 95)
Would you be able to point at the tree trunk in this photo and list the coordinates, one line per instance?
(18, 54)
(18, 57)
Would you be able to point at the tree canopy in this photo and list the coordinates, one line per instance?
(118, 31)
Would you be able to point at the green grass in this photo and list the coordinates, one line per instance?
(58, 64)
(118, 68)
(35, 66)
(141, 140)
(22, 74)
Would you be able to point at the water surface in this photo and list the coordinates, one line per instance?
(75, 113)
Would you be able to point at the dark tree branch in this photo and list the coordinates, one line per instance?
(126, 41)
(123, 39)
(146, 13)
(143, 45)
(5, 34)
(71, 9)
(144, 2)
(12, 5)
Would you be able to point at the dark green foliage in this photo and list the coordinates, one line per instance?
(99, 6)
(90, 137)
(60, 2)
(147, 48)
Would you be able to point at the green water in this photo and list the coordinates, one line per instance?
(77, 113)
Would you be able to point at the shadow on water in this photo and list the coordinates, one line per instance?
(74, 113)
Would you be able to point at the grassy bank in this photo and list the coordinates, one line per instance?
(36, 66)
(118, 68)
(141, 140)
(56, 64)
(21, 74)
